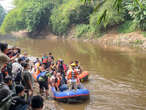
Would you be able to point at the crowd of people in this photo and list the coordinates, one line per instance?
(19, 72)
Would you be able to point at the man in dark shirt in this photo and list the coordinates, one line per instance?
(9, 84)
(27, 77)
(27, 81)
(18, 101)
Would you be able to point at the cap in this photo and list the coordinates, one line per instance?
(73, 64)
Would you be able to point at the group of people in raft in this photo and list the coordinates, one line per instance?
(47, 73)
(19, 72)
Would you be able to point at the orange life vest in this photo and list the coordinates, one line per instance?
(37, 68)
(45, 59)
(4, 70)
(73, 74)
(58, 81)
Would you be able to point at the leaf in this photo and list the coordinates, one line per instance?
(138, 3)
(117, 4)
(99, 5)
(102, 17)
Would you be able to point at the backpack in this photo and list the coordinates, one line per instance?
(9, 68)
(8, 101)
(5, 97)
(17, 105)
(42, 75)
(18, 77)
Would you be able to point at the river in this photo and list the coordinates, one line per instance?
(117, 79)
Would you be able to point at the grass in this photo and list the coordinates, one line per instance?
(144, 33)
(127, 27)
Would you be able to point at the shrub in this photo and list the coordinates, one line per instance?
(60, 18)
(112, 17)
(81, 30)
(68, 13)
(81, 14)
(144, 33)
(38, 17)
(137, 12)
(127, 26)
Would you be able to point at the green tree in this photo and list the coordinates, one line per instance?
(32, 15)
(137, 12)
(69, 13)
(105, 17)
(37, 15)
(135, 8)
(14, 21)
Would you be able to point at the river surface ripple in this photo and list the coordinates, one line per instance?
(117, 79)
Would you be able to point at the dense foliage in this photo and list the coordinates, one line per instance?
(87, 17)
(137, 13)
(112, 17)
(68, 13)
(31, 15)
(81, 30)
(2, 14)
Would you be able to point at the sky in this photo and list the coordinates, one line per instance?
(7, 4)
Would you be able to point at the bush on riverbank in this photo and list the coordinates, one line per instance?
(111, 19)
(37, 17)
(135, 17)
(81, 30)
(68, 13)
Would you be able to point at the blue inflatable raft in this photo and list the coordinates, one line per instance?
(65, 95)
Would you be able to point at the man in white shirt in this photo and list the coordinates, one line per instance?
(16, 66)
(17, 69)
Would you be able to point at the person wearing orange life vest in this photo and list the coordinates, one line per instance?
(37, 67)
(72, 77)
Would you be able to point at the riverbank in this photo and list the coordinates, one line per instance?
(42, 35)
(111, 39)
(133, 39)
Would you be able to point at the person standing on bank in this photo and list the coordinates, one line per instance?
(27, 81)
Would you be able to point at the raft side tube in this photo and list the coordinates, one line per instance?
(76, 95)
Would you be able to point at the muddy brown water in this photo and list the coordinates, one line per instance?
(117, 79)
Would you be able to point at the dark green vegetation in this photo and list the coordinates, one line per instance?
(2, 14)
(86, 17)
(135, 16)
